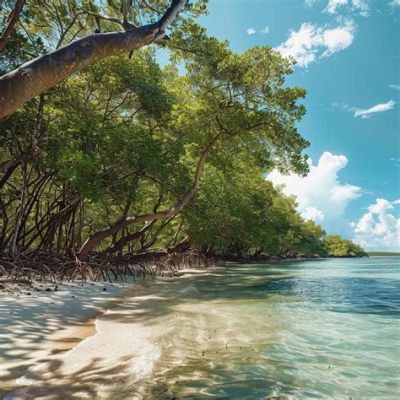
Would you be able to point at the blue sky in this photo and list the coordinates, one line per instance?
(349, 62)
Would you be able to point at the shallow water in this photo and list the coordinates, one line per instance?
(326, 329)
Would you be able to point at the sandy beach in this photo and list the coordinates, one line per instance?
(83, 340)
(37, 327)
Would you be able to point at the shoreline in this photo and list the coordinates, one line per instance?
(34, 327)
(98, 346)
(54, 319)
(128, 337)
(16, 287)
(45, 327)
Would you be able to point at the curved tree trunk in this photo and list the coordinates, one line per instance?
(119, 244)
(42, 73)
(93, 240)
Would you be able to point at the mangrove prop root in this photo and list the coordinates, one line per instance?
(39, 266)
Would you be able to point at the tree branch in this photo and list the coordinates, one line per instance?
(12, 21)
(79, 14)
(93, 240)
(42, 73)
(171, 14)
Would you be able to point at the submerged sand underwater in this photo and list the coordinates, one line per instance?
(309, 329)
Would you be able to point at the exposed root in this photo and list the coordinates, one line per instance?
(170, 263)
(37, 266)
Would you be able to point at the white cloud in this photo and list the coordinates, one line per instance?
(320, 193)
(334, 4)
(379, 228)
(311, 42)
(252, 31)
(366, 113)
(360, 6)
(313, 214)
(396, 87)
(355, 6)
(337, 39)
(395, 3)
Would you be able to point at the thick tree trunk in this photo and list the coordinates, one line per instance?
(42, 73)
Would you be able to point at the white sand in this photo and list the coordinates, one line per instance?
(38, 328)
(116, 351)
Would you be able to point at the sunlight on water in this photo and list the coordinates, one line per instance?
(325, 329)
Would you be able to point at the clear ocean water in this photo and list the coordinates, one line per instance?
(326, 329)
(321, 329)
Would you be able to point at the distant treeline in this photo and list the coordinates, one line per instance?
(382, 253)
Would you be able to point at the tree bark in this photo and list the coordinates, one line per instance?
(42, 73)
(119, 245)
(19, 215)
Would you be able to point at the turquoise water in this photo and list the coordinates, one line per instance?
(325, 329)
(321, 329)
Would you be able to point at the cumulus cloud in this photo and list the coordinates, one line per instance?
(313, 214)
(251, 31)
(379, 227)
(265, 30)
(321, 195)
(395, 3)
(311, 42)
(367, 113)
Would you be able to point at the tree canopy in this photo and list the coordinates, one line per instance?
(127, 156)
(336, 246)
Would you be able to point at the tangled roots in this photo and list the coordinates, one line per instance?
(50, 267)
